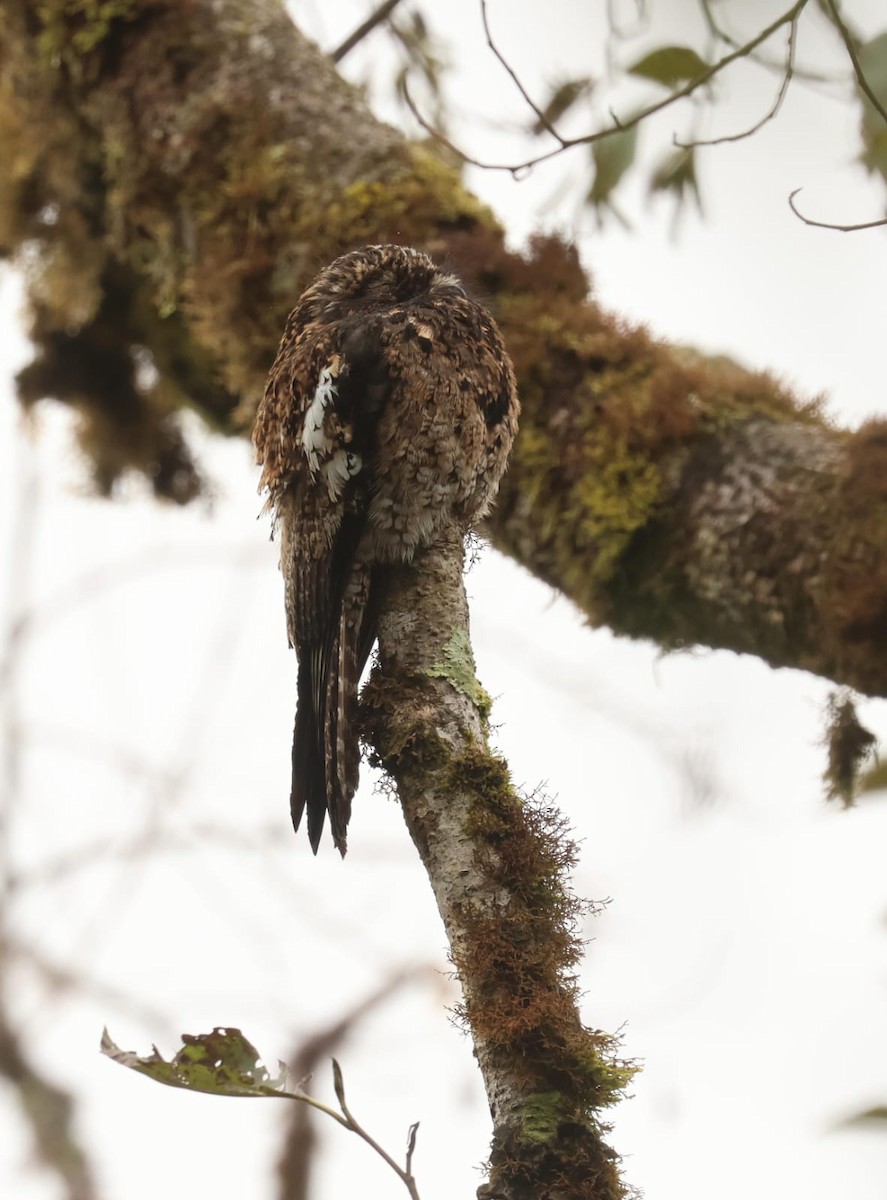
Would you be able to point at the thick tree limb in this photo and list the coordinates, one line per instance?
(497, 866)
(178, 172)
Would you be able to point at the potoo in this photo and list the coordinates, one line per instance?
(388, 415)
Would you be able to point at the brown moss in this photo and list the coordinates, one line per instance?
(577, 1167)
(854, 589)
(850, 747)
(518, 959)
(549, 265)
(867, 461)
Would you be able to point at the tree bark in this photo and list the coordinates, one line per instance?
(498, 866)
(178, 171)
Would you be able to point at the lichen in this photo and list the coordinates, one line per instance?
(458, 668)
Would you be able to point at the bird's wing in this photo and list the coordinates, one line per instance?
(313, 432)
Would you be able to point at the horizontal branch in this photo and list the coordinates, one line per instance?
(181, 174)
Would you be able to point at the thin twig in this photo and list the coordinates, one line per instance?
(828, 224)
(624, 33)
(713, 27)
(350, 1123)
(296, 1159)
(803, 74)
(788, 74)
(540, 115)
(375, 18)
(791, 15)
(848, 41)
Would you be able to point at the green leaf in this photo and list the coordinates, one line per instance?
(870, 1116)
(222, 1063)
(676, 172)
(339, 1084)
(612, 156)
(670, 66)
(563, 96)
(873, 61)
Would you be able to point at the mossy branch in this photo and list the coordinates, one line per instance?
(498, 865)
(177, 171)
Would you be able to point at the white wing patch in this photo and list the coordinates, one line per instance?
(316, 442)
(344, 465)
(324, 439)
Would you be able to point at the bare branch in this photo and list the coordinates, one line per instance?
(829, 224)
(713, 27)
(296, 1158)
(540, 115)
(354, 1126)
(803, 74)
(375, 18)
(516, 169)
(850, 46)
(641, 19)
(788, 74)
(49, 1112)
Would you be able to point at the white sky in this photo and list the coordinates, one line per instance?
(745, 945)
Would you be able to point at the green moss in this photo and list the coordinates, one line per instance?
(540, 1116)
(401, 207)
(73, 29)
(607, 1075)
(612, 500)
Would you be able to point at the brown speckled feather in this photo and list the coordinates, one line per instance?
(389, 414)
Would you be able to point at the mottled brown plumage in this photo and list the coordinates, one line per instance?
(388, 415)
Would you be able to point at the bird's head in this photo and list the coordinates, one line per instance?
(372, 278)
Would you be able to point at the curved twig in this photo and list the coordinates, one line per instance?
(540, 115)
(788, 75)
(829, 224)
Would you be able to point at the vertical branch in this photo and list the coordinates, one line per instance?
(49, 1111)
(46, 1107)
(498, 868)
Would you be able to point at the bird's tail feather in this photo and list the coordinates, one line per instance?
(308, 790)
(326, 748)
(341, 747)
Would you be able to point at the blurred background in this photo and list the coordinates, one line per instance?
(150, 879)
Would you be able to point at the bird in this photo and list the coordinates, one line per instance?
(388, 417)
